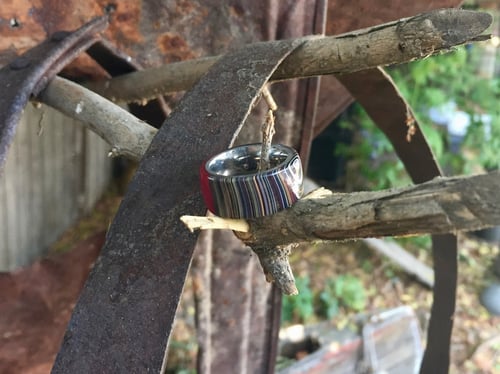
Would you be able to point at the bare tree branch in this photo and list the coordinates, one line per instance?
(127, 135)
(391, 43)
(440, 206)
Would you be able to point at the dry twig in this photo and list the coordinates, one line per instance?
(268, 129)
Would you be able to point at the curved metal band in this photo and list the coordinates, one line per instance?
(233, 187)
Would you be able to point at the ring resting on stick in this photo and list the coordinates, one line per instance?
(233, 186)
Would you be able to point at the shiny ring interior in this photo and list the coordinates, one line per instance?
(244, 160)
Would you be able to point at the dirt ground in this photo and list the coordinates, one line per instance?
(476, 335)
(33, 319)
(387, 287)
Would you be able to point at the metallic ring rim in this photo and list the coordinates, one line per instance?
(233, 187)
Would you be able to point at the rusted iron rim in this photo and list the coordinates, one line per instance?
(376, 92)
(29, 73)
(125, 312)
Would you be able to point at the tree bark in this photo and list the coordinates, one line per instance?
(127, 135)
(443, 205)
(396, 42)
(391, 43)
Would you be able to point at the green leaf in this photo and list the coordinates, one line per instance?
(298, 308)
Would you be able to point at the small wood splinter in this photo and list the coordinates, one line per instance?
(268, 130)
(274, 261)
(216, 223)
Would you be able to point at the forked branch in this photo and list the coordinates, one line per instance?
(440, 206)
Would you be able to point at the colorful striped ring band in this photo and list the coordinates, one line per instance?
(233, 187)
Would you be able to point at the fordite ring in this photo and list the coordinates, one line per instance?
(234, 187)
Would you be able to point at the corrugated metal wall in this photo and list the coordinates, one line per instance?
(55, 171)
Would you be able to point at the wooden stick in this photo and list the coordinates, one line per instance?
(443, 205)
(268, 129)
(212, 222)
(322, 55)
(440, 206)
(127, 135)
(391, 43)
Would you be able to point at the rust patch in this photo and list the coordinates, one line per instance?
(17, 29)
(25, 23)
(236, 11)
(51, 15)
(174, 48)
(124, 24)
(185, 7)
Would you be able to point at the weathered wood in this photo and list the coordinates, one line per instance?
(390, 43)
(55, 171)
(440, 206)
(404, 259)
(443, 205)
(127, 135)
(388, 342)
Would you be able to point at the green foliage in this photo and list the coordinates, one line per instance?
(425, 84)
(485, 145)
(299, 308)
(367, 266)
(420, 246)
(435, 81)
(372, 151)
(180, 358)
(343, 291)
